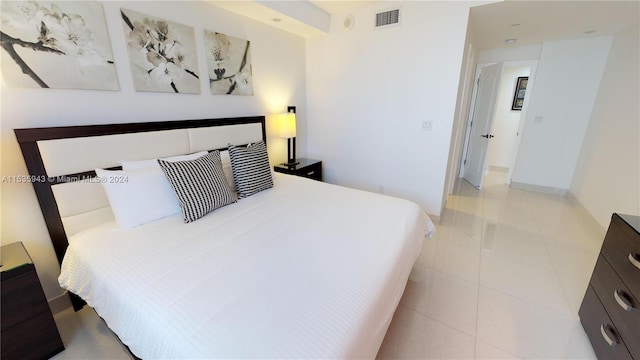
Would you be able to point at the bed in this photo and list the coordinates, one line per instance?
(303, 269)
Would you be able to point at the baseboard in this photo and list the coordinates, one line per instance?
(594, 224)
(539, 188)
(498, 168)
(60, 303)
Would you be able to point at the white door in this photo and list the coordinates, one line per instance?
(484, 110)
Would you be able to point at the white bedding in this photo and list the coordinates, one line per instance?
(303, 270)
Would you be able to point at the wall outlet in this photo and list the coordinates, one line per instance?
(427, 125)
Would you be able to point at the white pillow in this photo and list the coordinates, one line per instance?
(224, 156)
(138, 196)
(226, 169)
(139, 164)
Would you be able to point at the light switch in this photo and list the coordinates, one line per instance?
(538, 119)
(427, 125)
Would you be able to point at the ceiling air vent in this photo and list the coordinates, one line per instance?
(388, 18)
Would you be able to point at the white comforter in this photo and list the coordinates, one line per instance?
(303, 270)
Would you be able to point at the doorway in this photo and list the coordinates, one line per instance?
(497, 150)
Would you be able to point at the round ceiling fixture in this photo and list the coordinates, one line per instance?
(349, 22)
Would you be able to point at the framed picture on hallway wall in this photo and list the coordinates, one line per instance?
(518, 95)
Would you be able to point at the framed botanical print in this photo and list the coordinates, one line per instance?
(162, 54)
(56, 44)
(229, 62)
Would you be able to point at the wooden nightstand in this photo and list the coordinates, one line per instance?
(28, 328)
(308, 168)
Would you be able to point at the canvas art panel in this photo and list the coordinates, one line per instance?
(229, 63)
(61, 44)
(162, 54)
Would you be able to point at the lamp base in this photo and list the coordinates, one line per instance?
(291, 153)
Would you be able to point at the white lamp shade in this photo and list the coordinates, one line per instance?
(287, 125)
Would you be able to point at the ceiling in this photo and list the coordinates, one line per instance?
(541, 21)
(341, 7)
(255, 10)
(537, 20)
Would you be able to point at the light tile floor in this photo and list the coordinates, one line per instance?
(502, 279)
(86, 336)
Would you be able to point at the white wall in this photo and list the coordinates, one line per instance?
(278, 60)
(567, 80)
(505, 123)
(512, 53)
(607, 175)
(370, 90)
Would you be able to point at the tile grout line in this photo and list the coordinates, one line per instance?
(480, 286)
(457, 193)
(482, 239)
(555, 269)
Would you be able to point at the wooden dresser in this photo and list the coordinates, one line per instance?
(28, 328)
(610, 311)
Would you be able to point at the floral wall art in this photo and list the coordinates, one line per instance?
(162, 54)
(229, 63)
(61, 44)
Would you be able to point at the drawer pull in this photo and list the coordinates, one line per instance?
(609, 340)
(622, 300)
(634, 258)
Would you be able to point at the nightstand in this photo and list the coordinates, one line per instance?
(308, 168)
(28, 329)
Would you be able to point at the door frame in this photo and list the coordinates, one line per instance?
(457, 138)
(523, 114)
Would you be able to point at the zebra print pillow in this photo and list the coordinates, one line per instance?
(200, 185)
(250, 167)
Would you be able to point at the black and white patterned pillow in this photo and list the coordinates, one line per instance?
(200, 185)
(251, 169)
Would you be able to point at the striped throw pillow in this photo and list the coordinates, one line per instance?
(250, 168)
(200, 185)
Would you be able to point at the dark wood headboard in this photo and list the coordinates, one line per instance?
(28, 138)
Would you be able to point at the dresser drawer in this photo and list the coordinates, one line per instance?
(622, 307)
(312, 172)
(22, 298)
(600, 329)
(28, 328)
(36, 338)
(621, 243)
